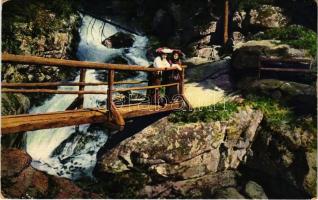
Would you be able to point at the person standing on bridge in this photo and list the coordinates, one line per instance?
(155, 78)
(173, 76)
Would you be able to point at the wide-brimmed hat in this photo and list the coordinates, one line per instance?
(178, 51)
(164, 50)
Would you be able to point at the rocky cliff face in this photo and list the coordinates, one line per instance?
(175, 160)
(41, 31)
(34, 28)
(286, 155)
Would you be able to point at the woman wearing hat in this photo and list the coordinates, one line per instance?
(173, 76)
(155, 78)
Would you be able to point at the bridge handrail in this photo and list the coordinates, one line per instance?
(113, 114)
(35, 60)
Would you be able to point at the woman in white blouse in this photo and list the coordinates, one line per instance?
(155, 78)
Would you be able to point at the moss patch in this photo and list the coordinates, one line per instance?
(218, 112)
(294, 35)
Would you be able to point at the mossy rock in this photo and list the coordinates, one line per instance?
(13, 104)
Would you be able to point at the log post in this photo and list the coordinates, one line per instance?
(81, 88)
(111, 75)
(181, 82)
(226, 22)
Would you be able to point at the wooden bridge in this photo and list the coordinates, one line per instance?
(112, 115)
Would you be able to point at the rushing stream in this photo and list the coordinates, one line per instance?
(65, 151)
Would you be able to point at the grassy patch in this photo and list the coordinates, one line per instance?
(218, 112)
(277, 114)
(294, 35)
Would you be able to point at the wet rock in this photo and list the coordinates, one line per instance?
(267, 16)
(20, 180)
(119, 40)
(228, 193)
(254, 191)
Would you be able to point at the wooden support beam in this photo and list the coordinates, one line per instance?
(286, 69)
(145, 87)
(186, 101)
(111, 77)
(226, 21)
(34, 60)
(117, 117)
(181, 82)
(284, 59)
(51, 91)
(129, 82)
(30, 122)
(21, 123)
(81, 88)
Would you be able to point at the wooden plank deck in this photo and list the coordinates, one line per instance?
(30, 122)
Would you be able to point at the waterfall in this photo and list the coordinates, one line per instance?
(64, 151)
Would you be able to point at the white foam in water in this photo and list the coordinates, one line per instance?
(69, 159)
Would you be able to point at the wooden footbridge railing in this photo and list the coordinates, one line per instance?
(112, 115)
(285, 65)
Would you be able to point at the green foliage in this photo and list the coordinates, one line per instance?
(273, 111)
(220, 111)
(277, 114)
(294, 35)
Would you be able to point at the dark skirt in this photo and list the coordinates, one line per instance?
(154, 94)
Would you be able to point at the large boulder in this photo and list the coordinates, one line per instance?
(246, 54)
(119, 40)
(169, 152)
(20, 180)
(267, 16)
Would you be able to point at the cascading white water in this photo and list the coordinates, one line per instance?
(63, 151)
